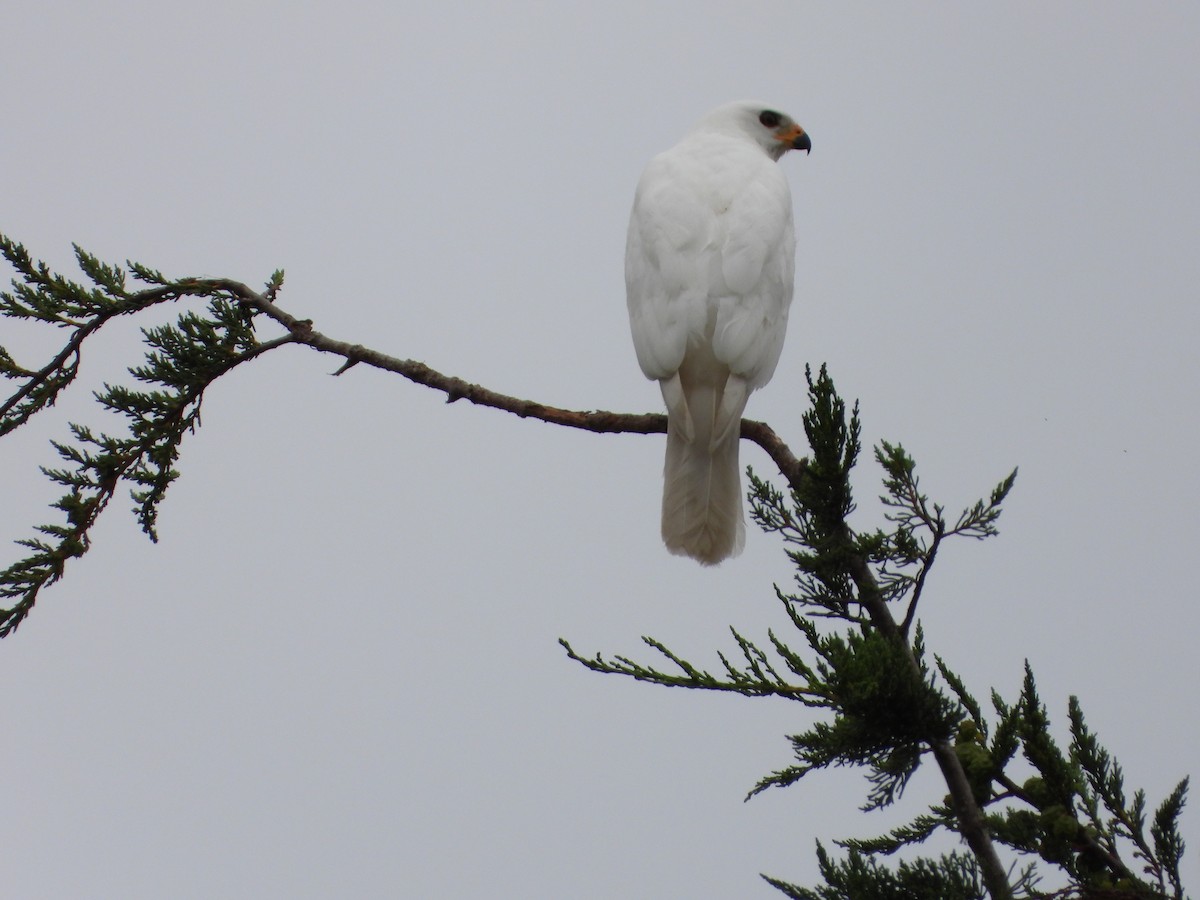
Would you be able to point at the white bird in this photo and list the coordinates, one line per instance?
(709, 263)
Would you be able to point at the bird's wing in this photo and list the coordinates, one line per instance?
(667, 259)
(758, 265)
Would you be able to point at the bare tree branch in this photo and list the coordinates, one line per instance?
(598, 421)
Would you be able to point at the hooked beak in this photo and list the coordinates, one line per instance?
(795, 138)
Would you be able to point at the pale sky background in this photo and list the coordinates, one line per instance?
(337, 675)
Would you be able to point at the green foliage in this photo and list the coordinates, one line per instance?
(858, 877)
(881, 723)
(1073, 812)
(181, 361)
(812, 524)
(886, 711)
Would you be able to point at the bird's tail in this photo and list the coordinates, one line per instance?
(702, 488)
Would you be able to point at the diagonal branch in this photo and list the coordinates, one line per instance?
(962, 799)
(939, 531)
(28, 577)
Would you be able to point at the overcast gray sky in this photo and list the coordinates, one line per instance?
(337, 673)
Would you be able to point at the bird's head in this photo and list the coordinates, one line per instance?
(775, 132)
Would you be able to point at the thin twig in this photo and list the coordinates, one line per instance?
(938, 533)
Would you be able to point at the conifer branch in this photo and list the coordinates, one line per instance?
(598, 421)
(183, 360)
(758, 679)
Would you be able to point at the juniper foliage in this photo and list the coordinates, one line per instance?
(858, 656)
(181, 361)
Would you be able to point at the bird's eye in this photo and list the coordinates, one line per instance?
(770, 118)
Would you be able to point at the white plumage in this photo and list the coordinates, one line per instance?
(709, 264)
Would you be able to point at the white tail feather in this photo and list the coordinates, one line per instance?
(702, 487)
